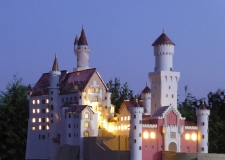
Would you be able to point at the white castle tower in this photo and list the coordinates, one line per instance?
(202, 122)
(146, 96)
(82, 51)
(53, 109)
(136, 132)
(163, 80)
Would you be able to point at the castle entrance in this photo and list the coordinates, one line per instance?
(172, 147)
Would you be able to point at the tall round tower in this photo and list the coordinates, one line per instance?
(82, 51)
(146, 96)
(53, 108)
(202, 122)
(136, 132)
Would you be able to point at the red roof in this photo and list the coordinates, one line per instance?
(162, 39)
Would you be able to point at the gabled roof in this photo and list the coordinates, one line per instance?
(82, 39)
(74, 108)
(55, 65)
(162, 39)
(129, 103)
(160, 111)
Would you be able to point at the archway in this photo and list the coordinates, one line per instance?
(172, 147)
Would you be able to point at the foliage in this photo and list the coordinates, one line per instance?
(13, 120)
(119, 92)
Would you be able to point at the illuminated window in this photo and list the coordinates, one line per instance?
(101, 117)
(86, 134)
(86, 124)
(47, 100)
(152, 135)
(125, 118)
(33, 101)
(92, 90)
(121, 118)
(33, 110)
(47, 119)
(187, 136)
(38, 110)
(39, 127)
(39, 119)
(47, 110)
(128, 118)
(33, 120)
(86, 115)
(95, 99)
(145, 135)
(118, 127)
(112, 109)
(194, 136)
(38, 101)
(47, 127)
(97, 89)
(33, 128)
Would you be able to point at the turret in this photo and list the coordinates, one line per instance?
(203, 128)
(163, 52)
(53, 108)
(146, 96)
(82, 52)
(29, 91)
(136, 132)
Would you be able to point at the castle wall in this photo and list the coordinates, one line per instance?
(188, 144)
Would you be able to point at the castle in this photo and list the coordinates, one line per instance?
(68, 108)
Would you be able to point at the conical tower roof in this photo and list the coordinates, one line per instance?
(162, 39)
(76, 40)
(55, 65)
(82, 39)
(146, 89)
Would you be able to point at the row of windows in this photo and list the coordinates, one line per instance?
(75, 126)
(41, 127)
(40, 120)
(172, 96)
(69, 116)
(42, 111)
(86, 125)
(70, 98)
(44, 101)
(96, 89)
(125, 118)
(75, 135)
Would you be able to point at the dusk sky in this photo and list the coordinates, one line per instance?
(120, 35)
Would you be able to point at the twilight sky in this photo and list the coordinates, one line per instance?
(120, 35)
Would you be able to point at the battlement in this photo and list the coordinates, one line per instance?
(149, 125)
(191, 127)
(55, 73)
(202, 112)
(164, 53)
(136, 109)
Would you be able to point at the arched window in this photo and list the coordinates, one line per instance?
(97, 89)
(95, 99)
(86, 134)
(86, 124)
(86, 115)
(92, 89)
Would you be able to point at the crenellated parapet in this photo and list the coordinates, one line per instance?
(191, 127)
(136, 109)
(149, 125)
(202, 112)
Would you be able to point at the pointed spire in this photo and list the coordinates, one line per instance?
(136, 103)
(162, 39)
(55, 64)
(76, 40)
(146, 89)
(82, 39)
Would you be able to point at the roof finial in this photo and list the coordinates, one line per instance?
(55, 64)
(146, 84)
(163, 30)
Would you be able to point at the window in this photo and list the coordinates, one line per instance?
(43, 127)
(92, 89)
(69, 115)
(51, 98)
(38, 110)
(51, 115)
(139, 134)
(125, 118)
(203, 123)
(166, 95)
(33, 110)
(39, 127)
(95, 99)
(51, 92)
(69, 135)
(39, 119)
(52, 107)
(62, 99)
(43, 120)
(33, 128)
(169, 87)
(47, 119)
(43, 101)
(105, 98)
(51, 121)
(172, 95)
(47, 101)
(86, 134)
(39, 136)
(152, 147)
(203, 136)
(121, 118)
(71, 99)
(33, 101)
(146, 146)
(97, 89)
(139, 147)
(86, 124)
(38, 101)
(43, 110)
(202, 148)
(33, 120)
(140, 122)
(75, 99)
(47, 110)
(69, 126)
(128, 118)
(47, 127)
(112, 109)
(134, 127)
(134, 116)
(86, 115)
(66, 99)
(134, 140)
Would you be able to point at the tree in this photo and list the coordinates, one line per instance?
(119, 93)
(14, 112)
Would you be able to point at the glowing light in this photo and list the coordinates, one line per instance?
(187, 136)
(38, 101)
(145, 135)
(33, 110)
(128, 118)
(33, 120)
(33, 102)
(39, 127)
(38, 110)
(47, 127)
(47, 110)
(33, 128)
(47, 119)
(194, 136)
(125, 118)
(47, 100)
(39, 119)
(121, 118)
(152, 135)
(118, 127)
